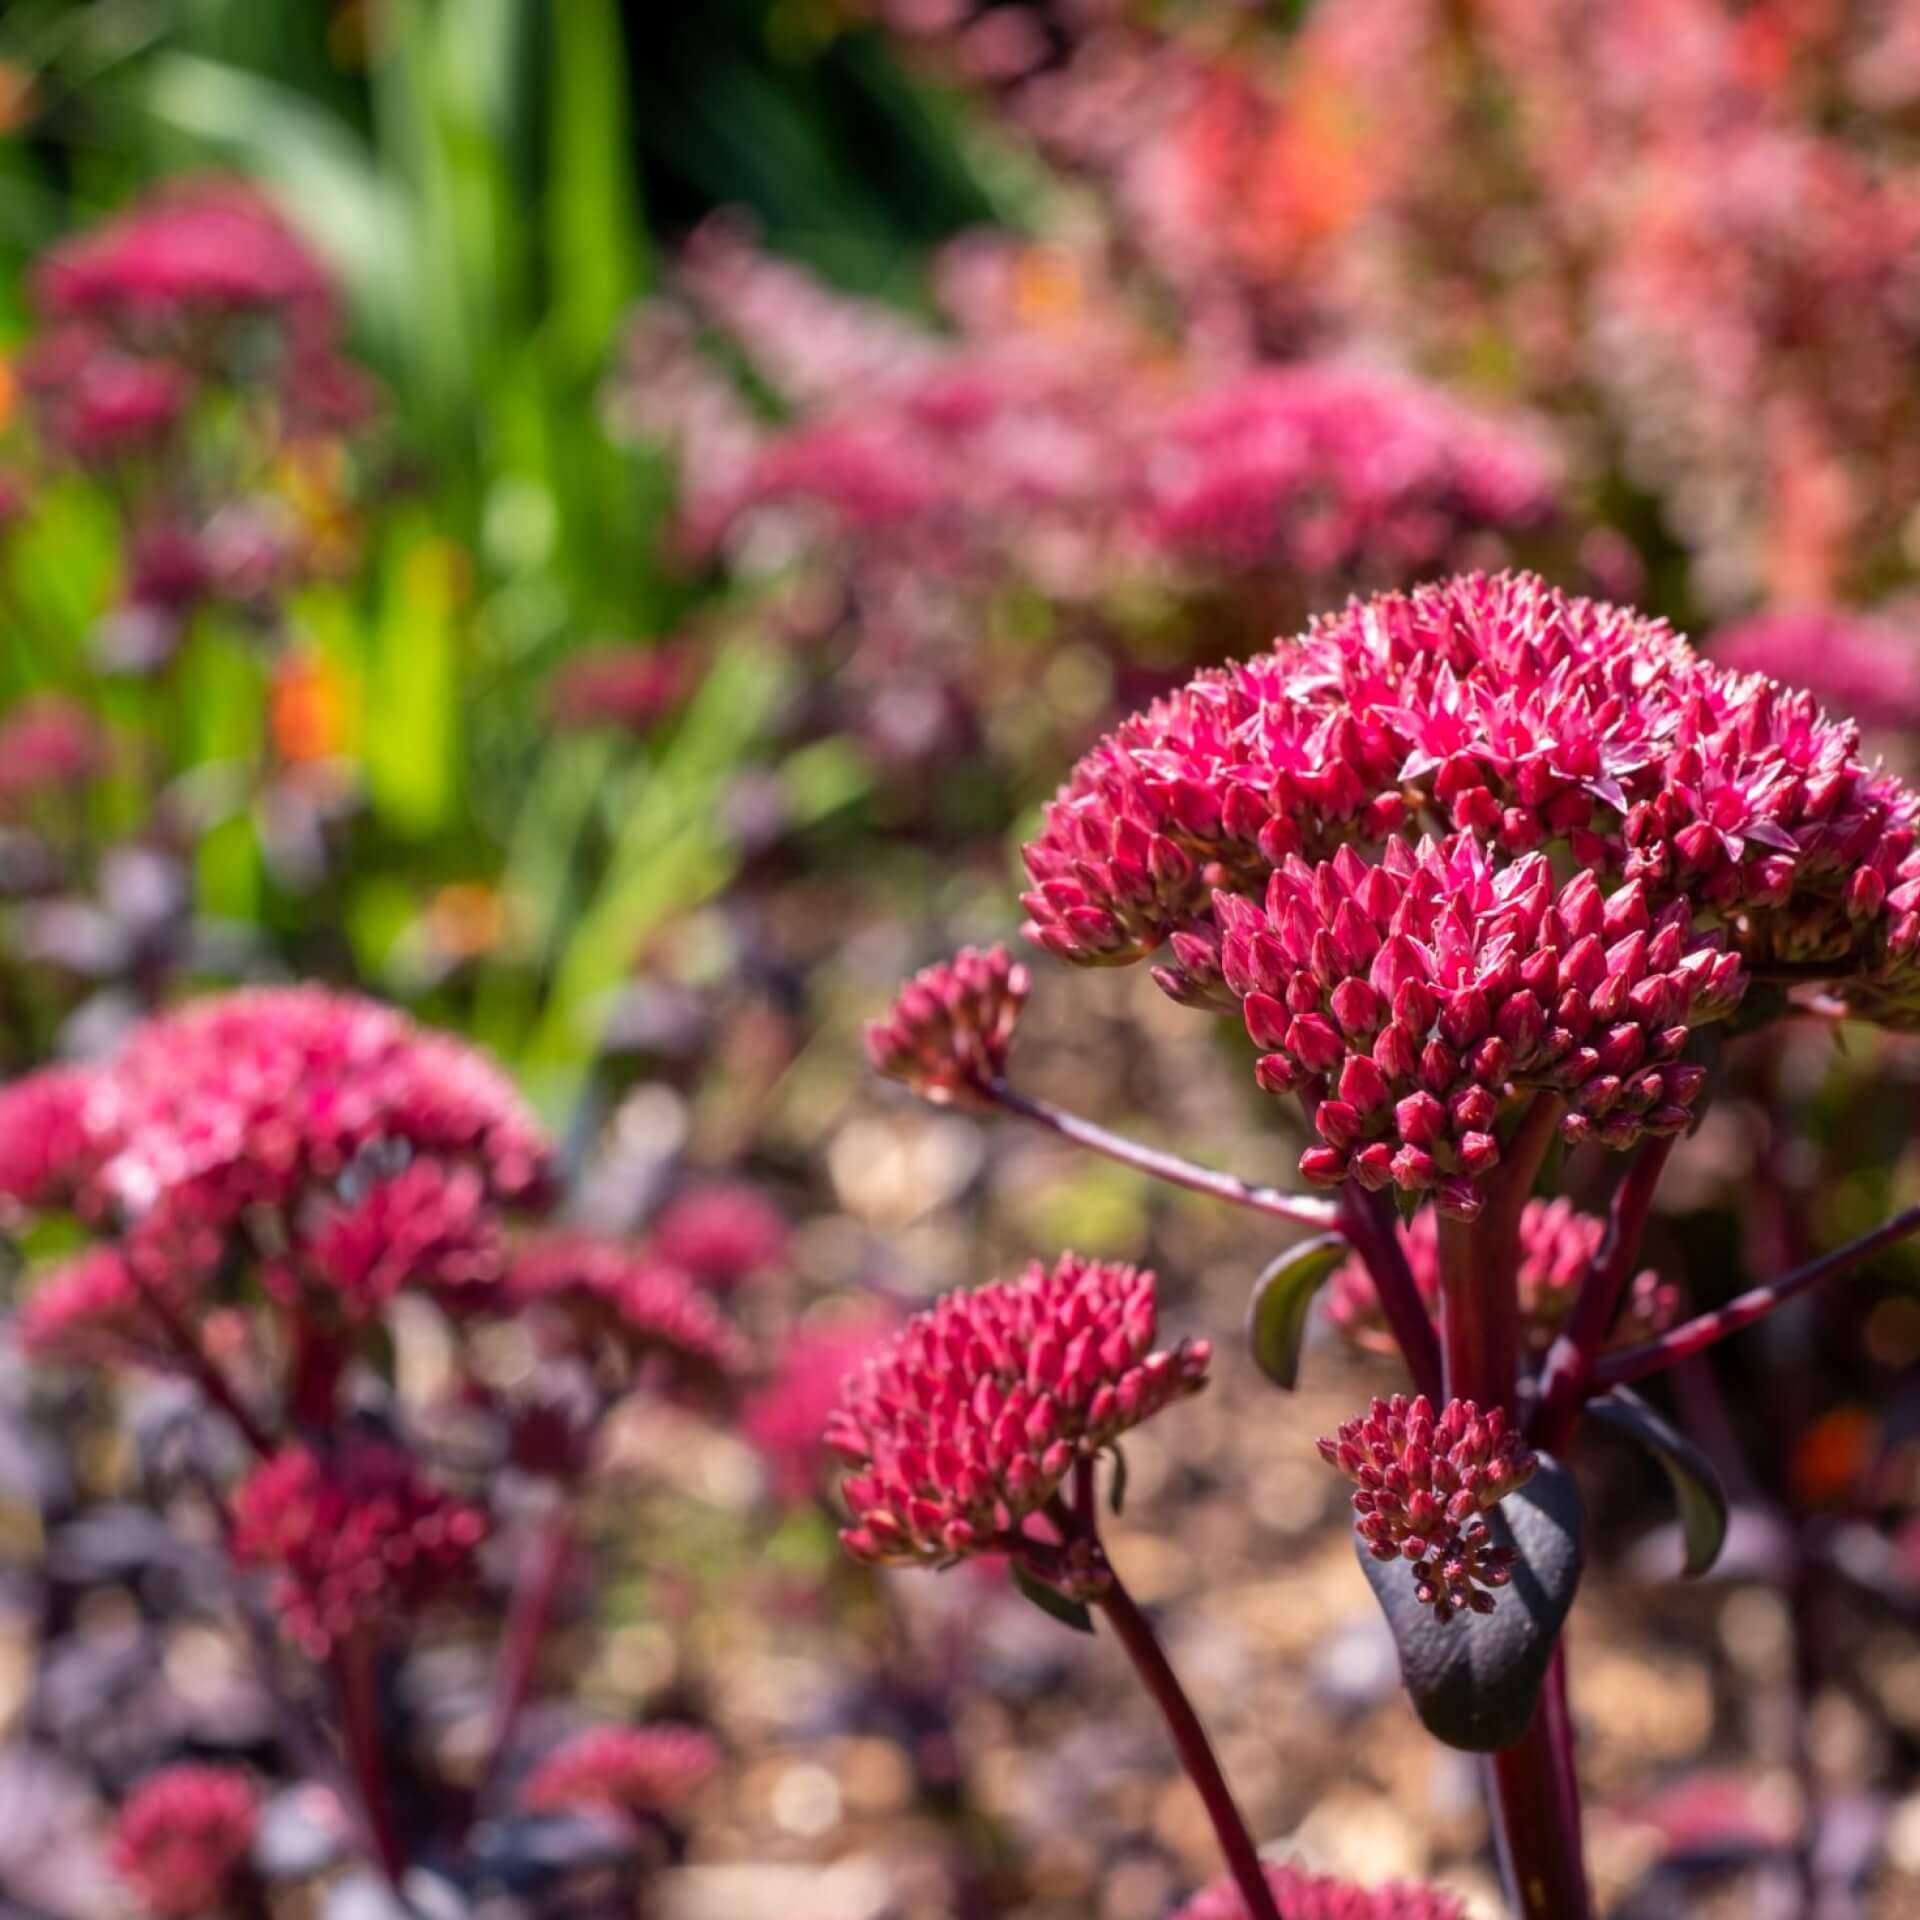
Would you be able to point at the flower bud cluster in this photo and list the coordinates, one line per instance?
(182, 1836)
(982, 1405)
(631, 1771)
(1557, 1245)
(1425, 1486)
(1503, 709)
(651, 1309)
(949, 1029)
(1410, 999)
(351, 1538)
(1301, 1895)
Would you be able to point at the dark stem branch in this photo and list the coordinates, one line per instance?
(1301, 1209)
(360, 1719)
(1705, 1330)
(211, 1381)
(1536, 1812)
(1367, 1220)
(1135, 1632)
(1564, 1381)
(531, 1613)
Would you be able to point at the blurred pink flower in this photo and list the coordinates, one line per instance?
(786, 1418)
(350, 1538)
(632, 1771)
(1310, 1896)
(182, 1836)
(722, 1234)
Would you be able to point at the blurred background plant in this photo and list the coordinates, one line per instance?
(669, 494)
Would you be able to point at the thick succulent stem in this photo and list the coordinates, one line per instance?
(1532, 1787)
(1301, 1209)
(1135, 1632)
(1535, 1799)
(1704, 1330)
(1367, 1220)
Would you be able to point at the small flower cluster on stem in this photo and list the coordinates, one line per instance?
(1424, 1488)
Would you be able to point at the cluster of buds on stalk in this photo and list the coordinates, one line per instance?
(1501, 709)
(947, 1034)
(1301, 1895)
(1421, 992)
(1425, 1486)
(969, 1423)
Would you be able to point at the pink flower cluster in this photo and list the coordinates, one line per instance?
(1425, 1486)
(48, 745)
(1051, 441)
(1336, 471)
(1311, 1896)
(258, 1103)
(969, 1423)
(1866, 665)
(182, 1837)
(1420, 992)
(722, 1234)
(88, 1310)
(1704, 806)
(947, 1034)
(630, 689)
(352, 1538)
(1557, 1245)
(199, 300)
(652, 1309)
(630, 1771)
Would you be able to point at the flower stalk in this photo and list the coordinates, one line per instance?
(1301, 1210)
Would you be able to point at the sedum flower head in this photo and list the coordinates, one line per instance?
(181, 1837)
(721, 1234)
(89, 1310)
(948, 1032)
(1529, 719)
(1557, 1244)
(653, 1310)
(1412, 998)
(1311, 1896)
(970, 1421)
(353, 1149)
(633, 1771)
(1425, 1486)
(351, 1538)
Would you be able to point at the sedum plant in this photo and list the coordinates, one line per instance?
(1489, 875)
(250, 1196)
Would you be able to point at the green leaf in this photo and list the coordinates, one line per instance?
(1697, 1491)
(1117, 1485)
(1051, 1601)
(1277, 1308)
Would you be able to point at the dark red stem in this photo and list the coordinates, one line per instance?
(534, 1594)
(1704, 1330)
(1533, 1787)
(1564, 1380)
(1135, 1632)
(212, 1382)
(360, 1717)
(1535, 1798)
(1302, 1209)
(1367, 1221)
